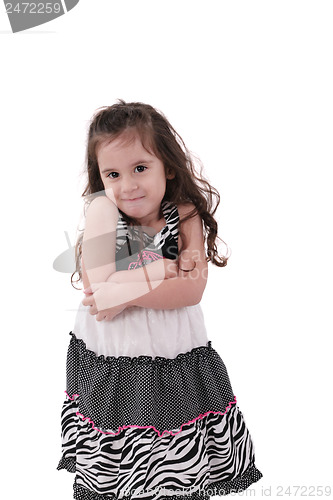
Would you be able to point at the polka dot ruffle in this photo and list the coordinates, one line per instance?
(159, 392)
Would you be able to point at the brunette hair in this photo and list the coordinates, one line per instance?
(158, 136)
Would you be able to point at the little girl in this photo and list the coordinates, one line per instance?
(149, 411)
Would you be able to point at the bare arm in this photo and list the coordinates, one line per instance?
(99, 241)
(158, 270)
(168, 294)
(187, 288)
(184, 290)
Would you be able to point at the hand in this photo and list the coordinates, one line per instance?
(109, 314)
(171, 269)
(103, 299)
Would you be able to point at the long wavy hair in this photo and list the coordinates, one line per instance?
(158, 136)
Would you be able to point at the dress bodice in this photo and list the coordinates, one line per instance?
(139, 330)
(163, 244)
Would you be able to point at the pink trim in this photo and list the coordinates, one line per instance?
(149, 426)
(146, 255)
(72, 399)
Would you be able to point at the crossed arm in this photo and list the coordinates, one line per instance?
(159, 285)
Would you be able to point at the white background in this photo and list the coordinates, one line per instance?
(248, 85)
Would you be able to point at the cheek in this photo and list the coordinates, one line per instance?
(158, 180)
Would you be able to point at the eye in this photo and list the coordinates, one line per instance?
(110, 175)
(141, 166)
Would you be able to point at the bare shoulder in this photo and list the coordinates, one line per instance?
(101, 217)
(101, 203)
(184, 209)
(192, 227)
(194, 223)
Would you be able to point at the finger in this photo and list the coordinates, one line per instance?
(93, 310)
(99, 316)
(88, 301)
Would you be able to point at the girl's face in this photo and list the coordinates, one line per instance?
(133, 178)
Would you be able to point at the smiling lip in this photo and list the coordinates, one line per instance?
(134, 199)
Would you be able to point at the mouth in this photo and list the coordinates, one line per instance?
(135, 199)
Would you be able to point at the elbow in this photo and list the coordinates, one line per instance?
(198, 298)
(195, 302)
(198, 293)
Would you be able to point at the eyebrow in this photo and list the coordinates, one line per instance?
(134, 164)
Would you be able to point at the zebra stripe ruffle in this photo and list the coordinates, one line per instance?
(210, 456)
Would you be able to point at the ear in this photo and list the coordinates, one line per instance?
(170, 174)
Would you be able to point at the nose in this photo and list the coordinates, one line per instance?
(129, 186)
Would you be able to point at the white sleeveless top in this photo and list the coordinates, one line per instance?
(140, 330)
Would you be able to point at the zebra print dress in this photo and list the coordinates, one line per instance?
(149, 411)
